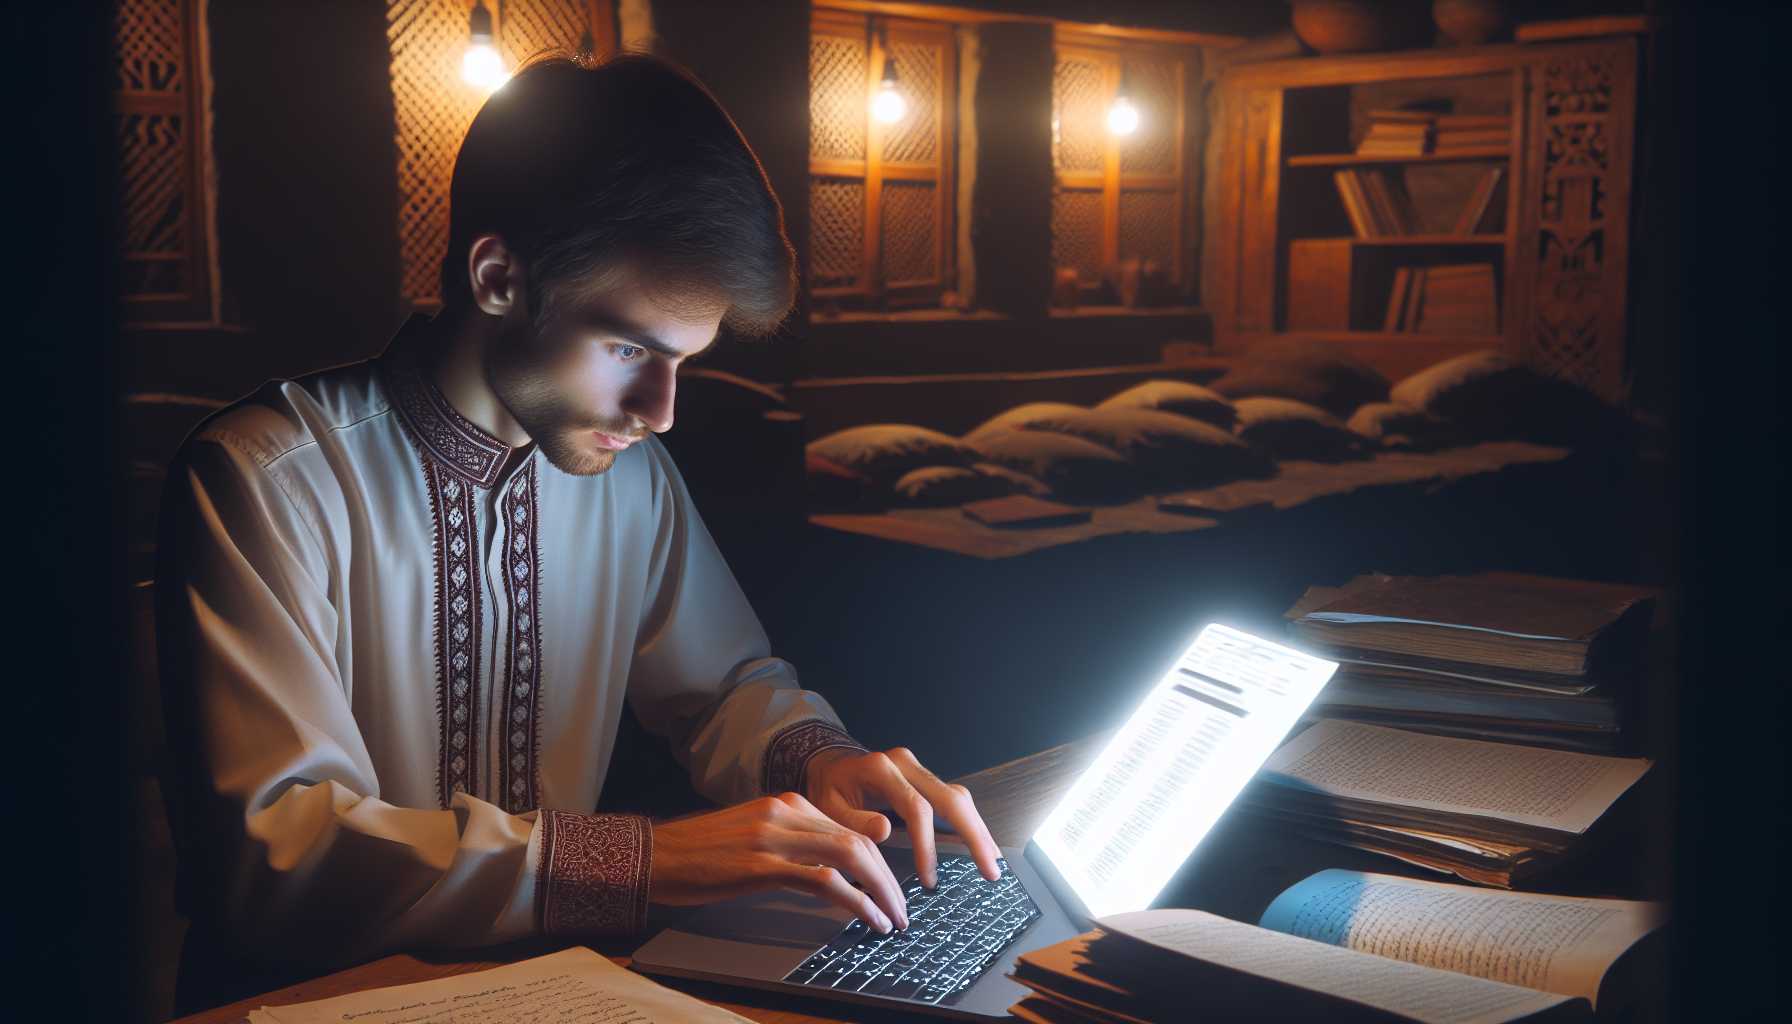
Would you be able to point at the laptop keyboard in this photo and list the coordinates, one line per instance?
(954, 933)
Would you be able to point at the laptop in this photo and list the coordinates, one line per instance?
(1110, 845)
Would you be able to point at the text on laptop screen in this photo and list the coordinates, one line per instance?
(1159, 785)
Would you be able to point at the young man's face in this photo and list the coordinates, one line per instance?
(601, 373)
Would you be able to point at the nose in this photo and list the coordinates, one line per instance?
(651, 395)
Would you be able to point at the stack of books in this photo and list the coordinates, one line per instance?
(1397, 133)
(1494, 814)
(1497, 656)
(1345, 945)
(1457, 132)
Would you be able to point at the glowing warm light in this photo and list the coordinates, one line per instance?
(482, 68)
(888, 106)
(1186, 753)
(1123, 117)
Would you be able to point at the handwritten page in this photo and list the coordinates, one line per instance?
(1553, 789)
(573, 986)
(1409, 990)
(1561, 944)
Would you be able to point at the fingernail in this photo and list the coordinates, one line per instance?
(883, 923)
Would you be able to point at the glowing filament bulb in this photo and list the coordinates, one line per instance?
(481, 67)
(888, 106)
(1123, 117)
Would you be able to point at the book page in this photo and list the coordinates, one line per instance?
(1419, 993)
(1561, 944)
(573, 986)
(1554, 789)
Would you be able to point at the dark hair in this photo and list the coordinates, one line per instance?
(581, 167)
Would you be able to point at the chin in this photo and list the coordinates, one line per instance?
(570, 456)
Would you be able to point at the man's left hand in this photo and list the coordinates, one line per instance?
(848, 786)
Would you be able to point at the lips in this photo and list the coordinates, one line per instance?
(611, 441)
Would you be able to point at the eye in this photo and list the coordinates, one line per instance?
(629, 353)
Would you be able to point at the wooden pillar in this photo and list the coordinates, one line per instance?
(1011, 206)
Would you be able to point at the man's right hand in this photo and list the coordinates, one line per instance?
(775, 842)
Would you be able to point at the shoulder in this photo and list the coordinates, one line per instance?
(286, 419)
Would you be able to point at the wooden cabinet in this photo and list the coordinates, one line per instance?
(1554, 241)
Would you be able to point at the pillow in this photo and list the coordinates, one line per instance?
(833, 486)
(1172, 452)
(1310, 372)
(955, 485)
(1179, 397)
(1287, 429)
(1021, 417)
(883, 452)
(1399, 427)
(1074, 469)
(1488, 397)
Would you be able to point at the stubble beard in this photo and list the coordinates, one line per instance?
(520, 377)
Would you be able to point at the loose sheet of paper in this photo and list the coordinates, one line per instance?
(573, 986)
(1553, 789)
(1560, 944)
(1419, 993)
(1136, 814)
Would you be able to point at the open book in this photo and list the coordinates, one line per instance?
(1352, 946)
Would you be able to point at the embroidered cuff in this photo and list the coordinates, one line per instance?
(787, 756)
(592, 878)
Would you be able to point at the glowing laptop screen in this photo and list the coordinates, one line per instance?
(1159, 785)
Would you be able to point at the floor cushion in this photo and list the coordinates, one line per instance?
(1179, 397)
(1310, 372)
(1488, 396)
(955, 485)
(1395, 427)
(1021, 417)
(1074, 469)
(1287, 429)
(883, 452)
(1173, 452)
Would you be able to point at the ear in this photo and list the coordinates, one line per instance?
(495, 274)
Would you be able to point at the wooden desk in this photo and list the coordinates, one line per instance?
(1012, 797)
(1238, 869)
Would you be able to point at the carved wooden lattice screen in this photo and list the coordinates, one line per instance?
(160, 113)
(1117, 196)
(880, 195)
(434, 105)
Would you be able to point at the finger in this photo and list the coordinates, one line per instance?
(890, 782)
(953, 802)
(856, 857)
(827, 882)
(870, 824)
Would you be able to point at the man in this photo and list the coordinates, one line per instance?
(401, 603)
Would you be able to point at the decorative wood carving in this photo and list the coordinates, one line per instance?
(881, 200)
(160, 117)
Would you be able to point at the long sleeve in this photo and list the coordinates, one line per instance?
(300, 857)
(703, 674)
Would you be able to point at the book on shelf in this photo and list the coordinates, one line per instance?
(1473, 122)
(1356, 204)
(1403, 277)
(1356, 946)
(1319, 289)
(1494, 813)
(1459, 299)
(1479, 199)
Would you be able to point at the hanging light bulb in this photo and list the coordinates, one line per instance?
(481, 66)
(1123, 117)
(888, 106)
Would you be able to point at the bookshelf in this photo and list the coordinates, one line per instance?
(1490, 208)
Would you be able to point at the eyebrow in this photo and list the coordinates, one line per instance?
(635, 335)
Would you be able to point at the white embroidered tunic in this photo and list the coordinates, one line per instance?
(404, 663)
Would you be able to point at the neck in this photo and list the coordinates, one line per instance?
(454, 359)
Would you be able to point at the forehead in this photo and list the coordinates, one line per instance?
(623, 301)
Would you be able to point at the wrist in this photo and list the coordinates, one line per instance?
(818, 762)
